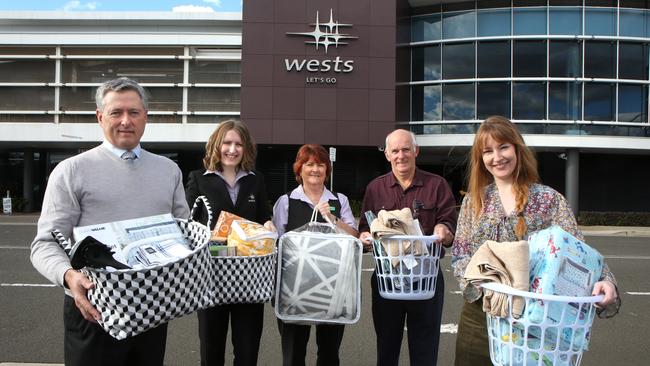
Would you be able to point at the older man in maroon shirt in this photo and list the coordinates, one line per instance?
(431, 197)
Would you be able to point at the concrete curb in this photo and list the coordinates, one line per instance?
(615, 231)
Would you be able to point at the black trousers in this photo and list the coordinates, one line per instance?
(246, 321)
(296, 336)
(86, 343)
(423, 319)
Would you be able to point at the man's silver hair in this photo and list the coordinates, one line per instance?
(414, 142)
(119, 85)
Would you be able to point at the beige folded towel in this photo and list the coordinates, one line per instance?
(506, 263)
(396, 222)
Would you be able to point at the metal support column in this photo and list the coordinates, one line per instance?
(28, 179)
(573, 179)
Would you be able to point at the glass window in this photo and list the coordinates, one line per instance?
(529, 59)
(600, 59)
(458, 61)
(458, 24)
(491, 99)
(494, 22)
(458, 101)
(18, 50)
(166, 99)
(529, 21)
(143, 71)
(493, 59)
(633, 61)
(78, 99)
(633, 23)
(202, 71)
(26, 71)
(599, 102)
(566, 21)
(564, 100)
(426, 63)
(208, 119)
(528, 100)
(426, 28)
(632, 103)
(600, 22)
(27, 98)
(26, 118)
(565, 59)
(213, 99)
(427, 103)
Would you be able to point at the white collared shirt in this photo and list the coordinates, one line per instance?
(118, 152)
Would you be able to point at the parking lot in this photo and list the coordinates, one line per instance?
(31, 311)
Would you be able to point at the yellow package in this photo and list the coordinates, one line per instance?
(251, 238)
(222, 227)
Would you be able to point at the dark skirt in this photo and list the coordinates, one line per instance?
(472, 347)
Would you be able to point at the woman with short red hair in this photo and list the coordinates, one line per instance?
(294, 209)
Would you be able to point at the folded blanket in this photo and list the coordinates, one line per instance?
(396, 222)
(506, 263)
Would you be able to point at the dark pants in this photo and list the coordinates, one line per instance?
(87, 343)
(246, 321)
(472, 347)
(423, 319)
(296, 336)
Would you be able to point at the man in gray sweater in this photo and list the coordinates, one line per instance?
(115, 181)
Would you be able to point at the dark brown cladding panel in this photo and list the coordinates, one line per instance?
(294, 107)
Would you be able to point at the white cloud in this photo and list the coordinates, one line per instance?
(192, 9)
(78, 5)
(216, 3)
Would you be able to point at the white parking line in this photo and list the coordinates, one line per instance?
(450, 328)
(643, 257)
(14, 247)
(18, 224)
(27, 285)
(638, 293)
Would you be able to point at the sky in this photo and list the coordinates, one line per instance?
(124, 5)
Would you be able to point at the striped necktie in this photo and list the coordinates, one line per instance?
(129, 155)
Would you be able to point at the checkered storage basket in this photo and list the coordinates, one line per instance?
(134, 301)
(239, 279)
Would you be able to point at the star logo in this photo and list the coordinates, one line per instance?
(326, 34)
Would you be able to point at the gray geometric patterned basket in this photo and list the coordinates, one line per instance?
(133, 301)
(240, 279)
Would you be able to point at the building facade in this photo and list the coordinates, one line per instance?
(573, 75)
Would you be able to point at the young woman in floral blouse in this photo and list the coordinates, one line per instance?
(510, 205)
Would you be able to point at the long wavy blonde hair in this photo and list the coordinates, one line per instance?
(212, 158)
(502, 130)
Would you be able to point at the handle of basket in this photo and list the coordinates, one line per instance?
(63, 242)
(314, 218)
(499, 287)
(202, 201)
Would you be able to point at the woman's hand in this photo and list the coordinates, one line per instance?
(608, 289)
(269, 226)
(325, 211)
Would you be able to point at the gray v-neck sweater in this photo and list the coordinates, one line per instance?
(97, 186)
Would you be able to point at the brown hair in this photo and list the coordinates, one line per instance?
(502, 130)
(212, 159)
(311, 151)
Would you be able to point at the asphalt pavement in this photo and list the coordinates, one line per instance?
(31, 329)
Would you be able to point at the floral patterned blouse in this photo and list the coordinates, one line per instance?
(545, 207)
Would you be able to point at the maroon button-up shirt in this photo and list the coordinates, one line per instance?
(430, 193)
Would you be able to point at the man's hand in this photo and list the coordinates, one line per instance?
(445, 237)
(79, 285)
(366, 240)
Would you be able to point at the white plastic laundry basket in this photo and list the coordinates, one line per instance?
(553, 330)
(407, 276)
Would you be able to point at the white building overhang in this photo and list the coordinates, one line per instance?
(585, 143)
(120, 28)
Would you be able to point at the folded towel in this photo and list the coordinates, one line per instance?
(396, 222)
(506, 263)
